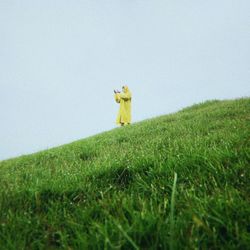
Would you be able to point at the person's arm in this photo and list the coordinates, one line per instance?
(117, 97)
(125, 96)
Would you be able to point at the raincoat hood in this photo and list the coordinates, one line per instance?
(126, 89)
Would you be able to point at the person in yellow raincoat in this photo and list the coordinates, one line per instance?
(124, 98)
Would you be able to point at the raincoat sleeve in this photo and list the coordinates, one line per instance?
(117, 97)
(125, 96)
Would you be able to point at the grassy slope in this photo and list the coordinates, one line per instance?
(113, 190)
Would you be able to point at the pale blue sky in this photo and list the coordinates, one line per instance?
(60, 61)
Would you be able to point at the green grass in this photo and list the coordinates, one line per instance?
(119, 190)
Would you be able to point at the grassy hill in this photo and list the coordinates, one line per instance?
(179, 181)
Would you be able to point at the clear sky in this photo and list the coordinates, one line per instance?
(60, 61)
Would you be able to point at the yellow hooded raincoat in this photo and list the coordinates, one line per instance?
(124, 98)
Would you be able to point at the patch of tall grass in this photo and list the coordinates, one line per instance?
(119, 189)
